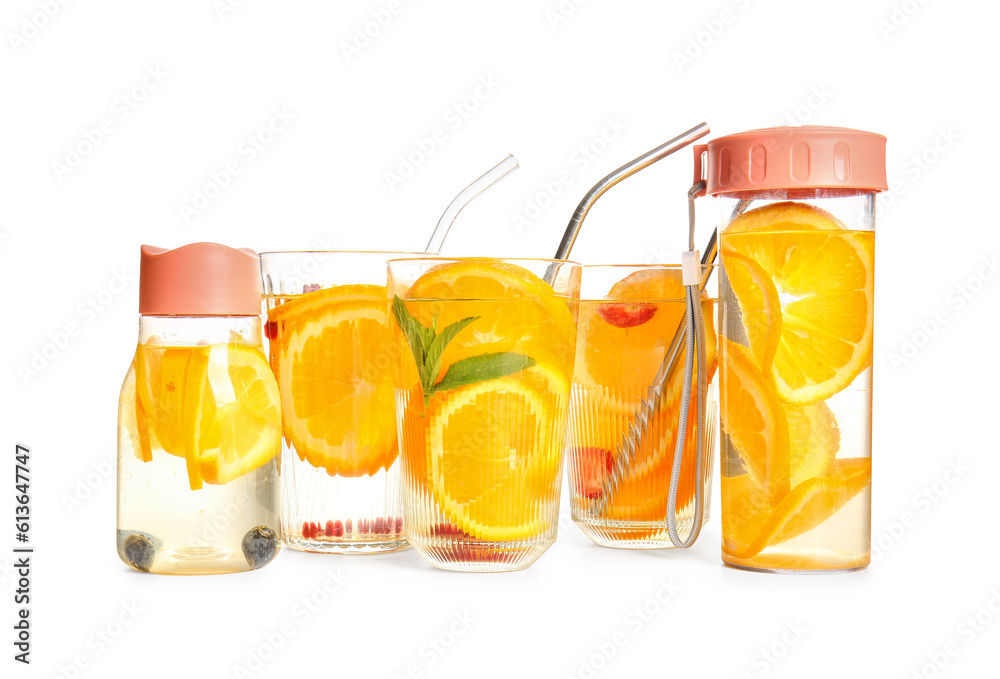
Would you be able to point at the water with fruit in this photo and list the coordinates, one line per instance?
(198, 448)
(482, 400)
(797, 294)
(622, 342)
(331, 350)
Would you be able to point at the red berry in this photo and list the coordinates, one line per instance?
(448, 530)
(329, 528)
(305, 530)
(362, 525)
(399, 524)
(271, 330)
(629, 315)
(379, 525)
(347, 526)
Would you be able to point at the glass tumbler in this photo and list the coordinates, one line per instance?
(629, 316)
(486, 350)
(331, 349)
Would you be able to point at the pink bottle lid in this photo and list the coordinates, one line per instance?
(789, 158)
(200, 279)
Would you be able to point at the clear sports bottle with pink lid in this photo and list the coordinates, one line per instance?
(199, 422)
(796, 241)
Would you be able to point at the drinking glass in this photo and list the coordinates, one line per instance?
(485, 356)
(330, 347)
(629, 316)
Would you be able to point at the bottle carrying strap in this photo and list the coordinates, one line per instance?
(691, 271)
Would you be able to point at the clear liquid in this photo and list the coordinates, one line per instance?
(166, 527)
(821, 521)
(341, 489)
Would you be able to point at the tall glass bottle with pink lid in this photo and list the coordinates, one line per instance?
(199, 423)
(796, 240)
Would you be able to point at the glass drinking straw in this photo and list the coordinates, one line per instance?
(498, 172)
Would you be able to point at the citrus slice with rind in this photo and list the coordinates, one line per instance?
(334, 357)
(493, 451)
(759, 306)
(809, 504)
(161, 375)
(137, 426)
(755, 421)
(241, 430)
(824, 275)
(315, 302)
(518, 311)
(814, 440)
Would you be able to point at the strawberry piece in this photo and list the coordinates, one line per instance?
(592, 466)
(336, 528)
(626, 315)
(306, 533)
(329, 528)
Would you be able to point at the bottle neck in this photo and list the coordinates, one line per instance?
(199, 330)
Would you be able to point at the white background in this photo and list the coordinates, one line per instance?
(924, 74)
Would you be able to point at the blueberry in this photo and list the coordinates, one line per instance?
(260, 545)
(139, 552)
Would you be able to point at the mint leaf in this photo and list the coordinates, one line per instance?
(418, 336)
(432, 358)
(482, 368)
(428, 345)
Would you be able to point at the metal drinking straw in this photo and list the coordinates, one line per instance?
(638, 429)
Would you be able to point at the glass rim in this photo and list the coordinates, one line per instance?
(656, 265)
(336, 252)
(439, 258)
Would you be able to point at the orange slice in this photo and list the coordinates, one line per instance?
(161, 382)
(334, 357)
(814, 440)
(755, 421)
(824, 275)
(493, 451)
(622, 342)
(807, 505)
(134, 419)
(759, 306)
(241, 430)
(524, 313)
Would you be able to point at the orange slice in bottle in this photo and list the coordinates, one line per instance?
(334, 357)
(814, 440)
(825, 278)
(808, 505)
(755, 421)
(493, 450)
(137, 428)
(241, 430)
(760, 307)
(161, 381)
